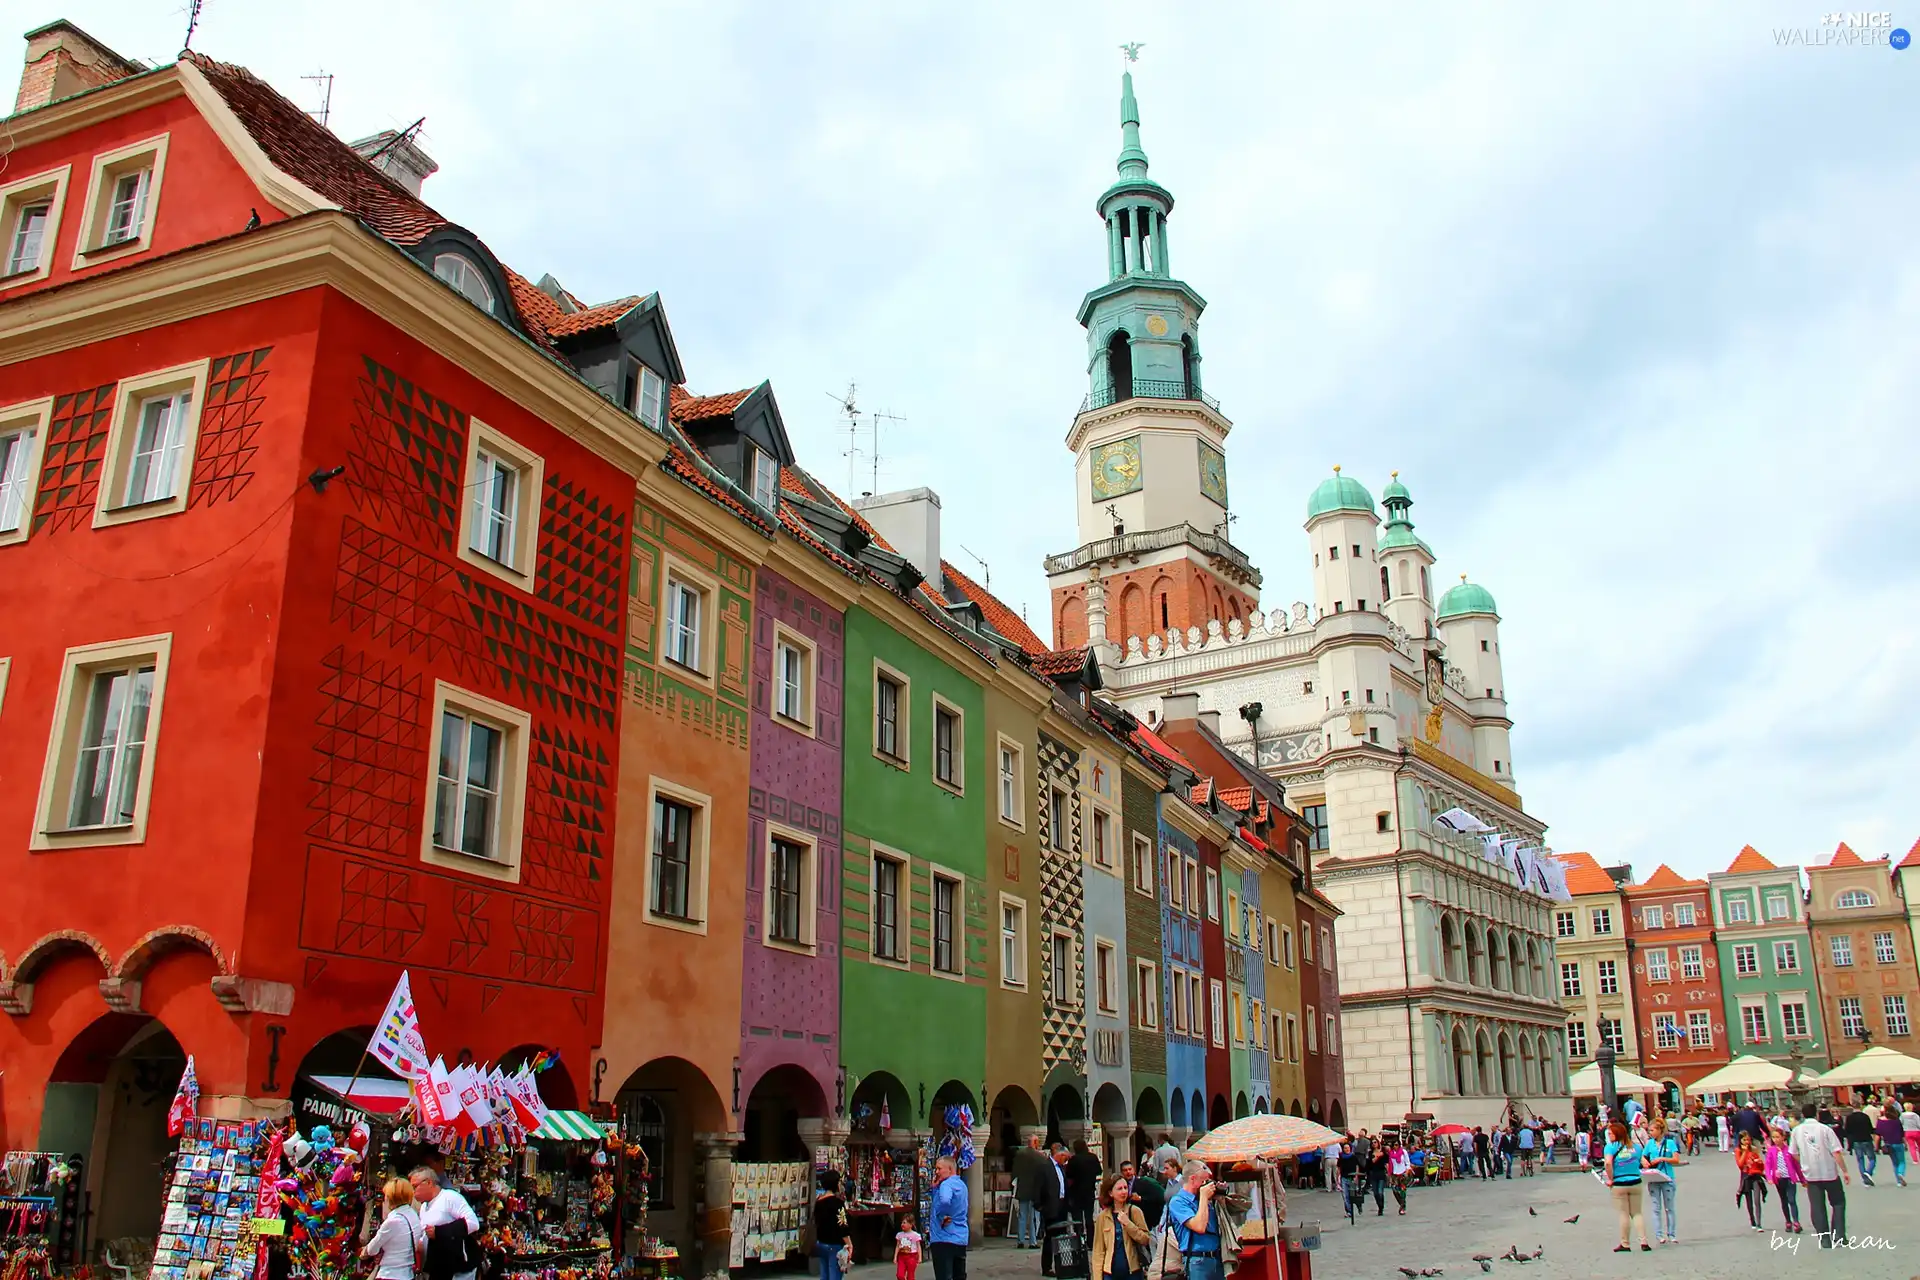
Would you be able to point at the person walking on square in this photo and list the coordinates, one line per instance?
(1527, 1140)
(1751, 1161)
(1783, 1171)
(1663, 1196)
(1893, 1142)
(947, 1220)
(1621, 1169)
(1857, 1128)
(829, 1225)
(1399, 1171)
(1147, 1194)
(1910, 1128)
(1723, 1127)
(1083, 1186)
(1349, 1172)
(1055, 1218)
(1583, 1147)
(906, 1249)
(1376, 1173)
(1030, 1164)
(1120, 1235)
(1823, 1170)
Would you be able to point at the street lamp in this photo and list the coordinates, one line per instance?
(1603, 1059)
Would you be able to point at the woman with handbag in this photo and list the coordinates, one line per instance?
(830, 1227)
(401, 1242)
(1120, 1235)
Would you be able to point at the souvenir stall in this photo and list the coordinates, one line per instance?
(551, 1201)
(39, 1213)
(216, 1181)
(771, 1211)
(884, 1179)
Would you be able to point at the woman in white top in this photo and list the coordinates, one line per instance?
(400, 1243)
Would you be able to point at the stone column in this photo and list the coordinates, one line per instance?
(1179, 1137)
(1033, 1131)
(1072, 1131)
(713, 1228)
(1160, 243)
(1116, 253)
(1119, 1142)
(977, 1191)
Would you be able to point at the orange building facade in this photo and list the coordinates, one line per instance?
(1677, 999)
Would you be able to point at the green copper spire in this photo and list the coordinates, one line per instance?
(1133, 160)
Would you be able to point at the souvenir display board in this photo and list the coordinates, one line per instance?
(770, 1211)
(39, 1211)
(212, 1190)
(884, 1180)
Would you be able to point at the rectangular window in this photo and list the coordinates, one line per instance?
(1883, 950)
(786, 892)
(1197, 1005)
(127, 208)
(1895, 1010)
(1326, 947)
(1737, 910)
(1777, 908)
(1611, 1034)
(1191, 873)
(499, 521)
(887, 875)
(1010, 808)
(1102, 838)
(1232, 917)
(121, 197)
(1683, 915)
(1332, 1041)
(1057, 819)
(1293, 1039)
(1793, 1019)
(1066, 992)
(1666, 1030)
(1313, 1032)
(685, 609)
(1179, 1001)
(672, 865)
(1656, 916)
(466, 808)
(1569, 979)
(1840, 947)
(1106, 970)
(112, 748)
(1852, 1022)
(1657, 965)
(889, 697)
(1786, 957)
(1286, 947)
(1576, 1039)
(1273, 940)
(1143, 865)
(1213, 894)
(1236, 1016)
(1746, 959)
(1277, 1038)
(1146, 994)
(22, 429)
(946, 928)
(1176, 876)
(1217, 1006)
(1602, 918)
(650, 398)
(1753, 1023)
(1316, 819)
(1013, 943)
(1563, 924)
(1608, 973)
(29, 221)
(153, 472)
(766, 479)
(1306, 944)
(496, 508)
(26, 239)
(949, 745)
(1256, 1022)
(1690, 965)
(792, 680)
(1699, 1029)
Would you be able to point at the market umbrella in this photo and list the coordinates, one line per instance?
(1449, 1130)
(1878, 1065)
(1254, 1137)
(1745, 1074)
(1585, 1083)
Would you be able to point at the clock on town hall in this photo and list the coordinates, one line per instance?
(1213, 473)
(1116, 467)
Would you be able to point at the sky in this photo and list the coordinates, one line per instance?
(1627, 294)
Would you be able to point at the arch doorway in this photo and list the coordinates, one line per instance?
(1240, 1108)
(107, 1100)
(1217, 1114)
(1013, 1110)
(1337, 1116)
(1177, 1114)
(779, 1101)
(1064, 1107)
(661, 1106)
(1120, 365)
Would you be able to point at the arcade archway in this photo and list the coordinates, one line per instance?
(107, 1100)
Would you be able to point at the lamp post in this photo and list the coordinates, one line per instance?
(1609, 1094)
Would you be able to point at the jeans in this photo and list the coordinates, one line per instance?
(829, 1255)
(949, 1261)
(1897, 1157)
(1029, 1225)
(1378, 1186)
(1204, 1269)
(1751, 1191)
(1827, 1206)
(1789, 1200)
(1660, 1201)
(1864, 1157)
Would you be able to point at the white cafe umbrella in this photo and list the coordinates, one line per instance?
(1878, 1065)
(1744, 1074)
(1585, 1083)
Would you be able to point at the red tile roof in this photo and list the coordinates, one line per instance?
(537, 311)
(309, 153)
(1665, 877)
(1913, 857)
(1845, 857)
(687, 407)
(1059, 662)
(1585, 875)
(1201, 792)
(1158, 746)
(1238, 799)
(1750, 859)
(588, 319)
(998, 615)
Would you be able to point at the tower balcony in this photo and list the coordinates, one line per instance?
(1128, 545)
(1147, 389)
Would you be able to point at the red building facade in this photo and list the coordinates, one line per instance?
(1676, 977)
(314, 617)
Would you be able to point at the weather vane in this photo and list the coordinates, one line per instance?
(1133, 50)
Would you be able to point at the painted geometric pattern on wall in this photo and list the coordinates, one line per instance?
(409, 455)
(543, 945)
(371, 753)
(580, 550)
(229, 421)
(569, 790)
(1062, 906)
(685, 705)
(379, 916)
(471, 928)
(70, 463)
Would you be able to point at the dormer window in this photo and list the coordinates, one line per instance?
(127, 211)
(466, 278)
(766, 479)
(649, 393)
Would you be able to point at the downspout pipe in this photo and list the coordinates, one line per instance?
(1406, 969)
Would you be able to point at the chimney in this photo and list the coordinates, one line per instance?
(395, 154)
(63, 60)
(910, 522)
(1179, 708)
(1211, 721)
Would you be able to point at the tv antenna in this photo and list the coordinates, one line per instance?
(324, 80)
(876, 419)
(853, 414)
(986, 574)
(407, 134)
(193, 21)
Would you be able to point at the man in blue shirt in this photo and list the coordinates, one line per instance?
(1194, 1227)
(1526, 1150)
(948, 1229)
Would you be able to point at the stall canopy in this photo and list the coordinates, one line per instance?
(570, 1126)
(1585, 1083)
(375, 1095)
(1745, 1074)
(1878, 1065)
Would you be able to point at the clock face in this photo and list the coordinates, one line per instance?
(1116, 467)
(1157, 326)
(1213, 473)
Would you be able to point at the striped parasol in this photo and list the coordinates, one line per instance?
(1257, 1137)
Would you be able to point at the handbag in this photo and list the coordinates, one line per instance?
(1166, 1260)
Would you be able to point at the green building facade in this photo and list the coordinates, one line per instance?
(1766, 962)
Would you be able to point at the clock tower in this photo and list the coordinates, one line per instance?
(1149, 444)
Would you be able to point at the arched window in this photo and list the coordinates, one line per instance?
(1386, 584)
(1484, 1067)
(1516, 965)
(1120, 365)
(1529, 1066)
(1425, 591)
(464, 276)
(1497, 960)
(1189, 374)
(1462, 1063)
(1853, 898)
(1476, 958)
(1508, 1064)
(1450, 949)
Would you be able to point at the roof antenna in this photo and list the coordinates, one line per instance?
(875, 419)
(407, 134)
(193, 21)
(325, 80)
(852, 453)
(986, 574)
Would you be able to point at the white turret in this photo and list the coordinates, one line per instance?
(1469, 626)
(1406, 565)
(1341, 529)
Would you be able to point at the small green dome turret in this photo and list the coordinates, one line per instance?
(1395, 491)
(1468, 597)
(1339, 493)
(1399, 529)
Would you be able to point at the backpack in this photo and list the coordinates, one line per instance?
(1164, 1259)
